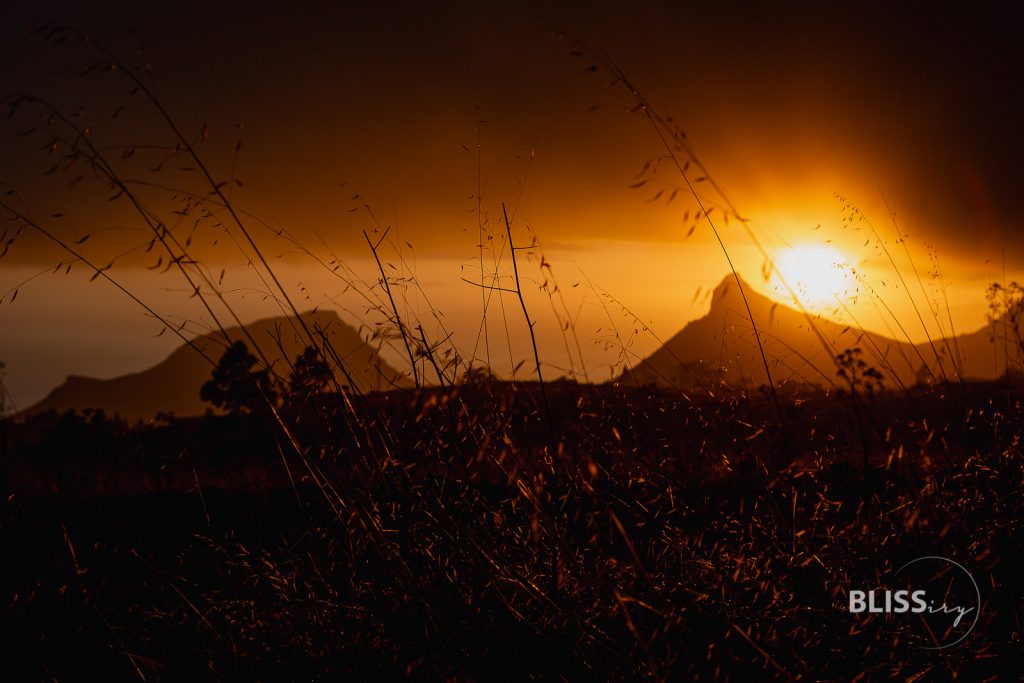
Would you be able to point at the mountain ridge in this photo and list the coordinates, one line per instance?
(720, 348)
(173, 384)
(715, 349)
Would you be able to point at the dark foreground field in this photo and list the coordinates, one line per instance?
(465, 534)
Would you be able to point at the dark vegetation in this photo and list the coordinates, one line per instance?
(470, 528)
(664, 539)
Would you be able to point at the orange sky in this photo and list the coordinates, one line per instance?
(787, 107)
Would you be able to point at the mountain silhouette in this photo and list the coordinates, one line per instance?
(173, 385)
(720, 348)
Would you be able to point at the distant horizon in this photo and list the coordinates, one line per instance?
(393, 355)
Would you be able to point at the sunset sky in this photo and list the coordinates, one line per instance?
(915, 109)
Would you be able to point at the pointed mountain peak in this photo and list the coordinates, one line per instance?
(727, 293)
(727, 285)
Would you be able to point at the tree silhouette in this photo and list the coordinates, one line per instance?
(1005, 315)
(311, 376)
(236, 386)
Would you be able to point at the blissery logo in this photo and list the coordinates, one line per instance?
(941, 593)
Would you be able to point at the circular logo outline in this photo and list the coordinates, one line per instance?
(977, 592)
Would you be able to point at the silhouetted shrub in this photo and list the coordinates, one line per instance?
(237, 386)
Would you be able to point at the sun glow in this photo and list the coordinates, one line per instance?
(819, 275)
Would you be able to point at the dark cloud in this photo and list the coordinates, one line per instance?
(921, 103)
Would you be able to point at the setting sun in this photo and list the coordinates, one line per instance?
(817, 274)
